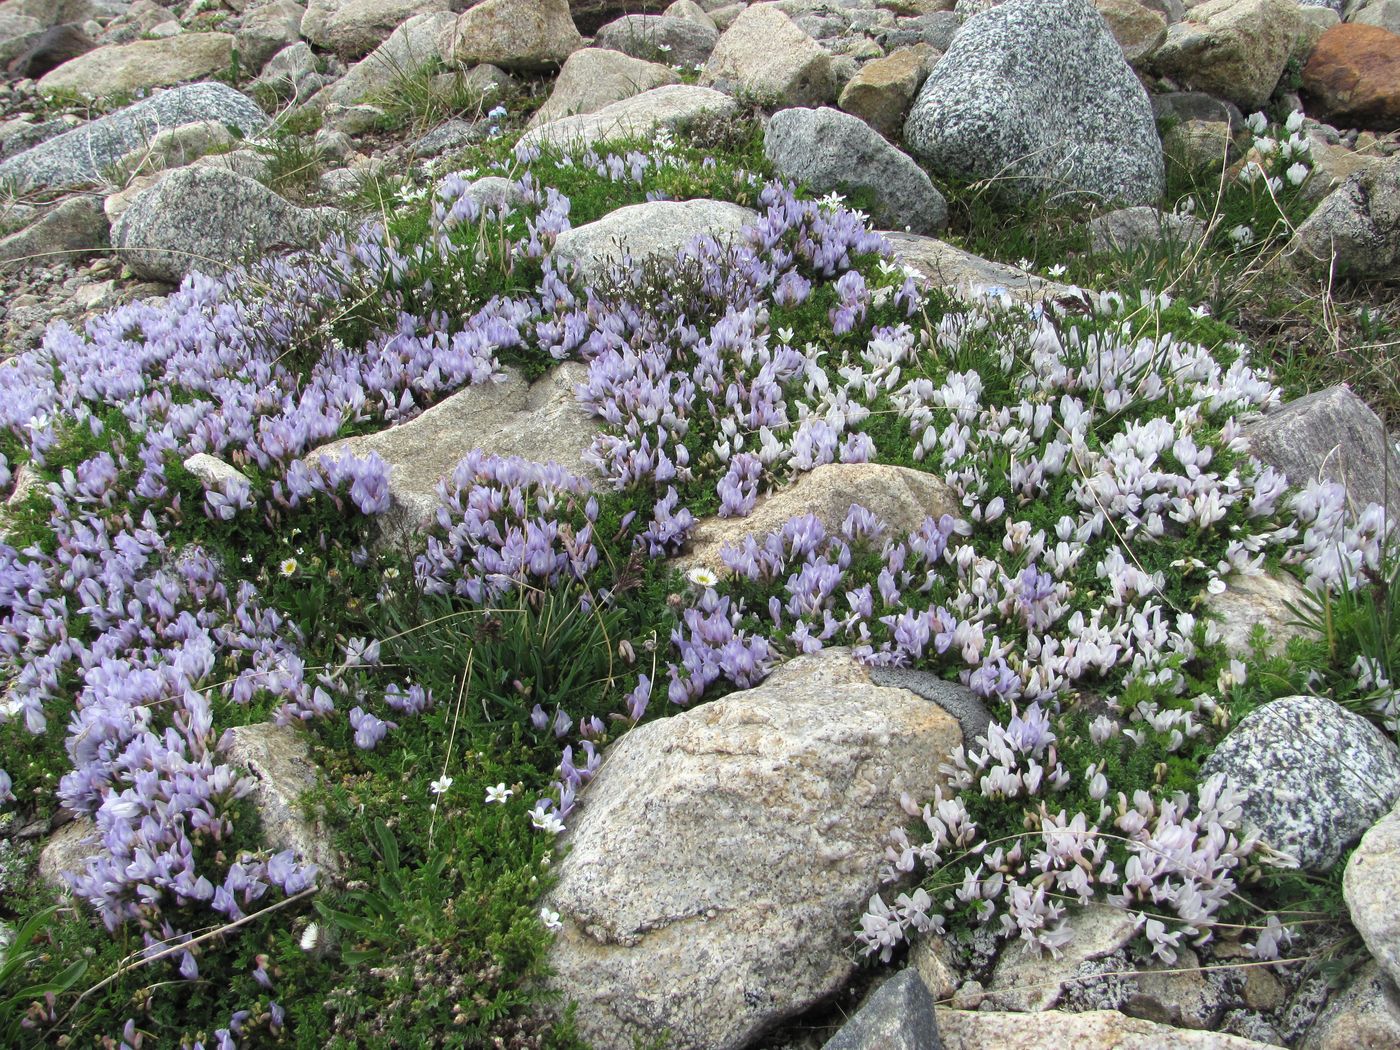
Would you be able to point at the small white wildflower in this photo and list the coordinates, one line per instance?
(832, 200)
(311, 937)
(702, 577)
(288, 568)
(550, 919)
(439, 786)
(498, 793)
(1058, 270)
(1294, 121)
(1257, 123)
(1297, 173)
(1025, 263)
(1241, 235)
(1216, 586)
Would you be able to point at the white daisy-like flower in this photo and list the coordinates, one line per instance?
(437, 787)
(288, 567)
(499, 793)
(702, 577)
(550, 919)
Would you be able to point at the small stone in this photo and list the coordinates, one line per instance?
(830, 150)
(1025, 979)
(1178, 995)
(1265, 600)
(266, 30)
(1315, 776)
(940, 265)
(1130, 229)
(278, 760)
(352, 28)
(897, 1016)
(691, 11)
(1138, 29)
(881, 92)
(512, 34)
(405, 51)
(67, 851)
(292, 73)
(1371, 886)
(765, 55)
(46, 51)
(1090, 1030)
(73, 230)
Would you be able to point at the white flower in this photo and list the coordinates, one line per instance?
(437, 787)
(311, 937)
(1216, 586)
(1297, 173)
(1294, 121)
(702, 577)
(499, 793)
(1241, 235)
(549, 822)
(832, 200)
(1257, 123)
(550, 919)
(288, 567)
(1058, 270)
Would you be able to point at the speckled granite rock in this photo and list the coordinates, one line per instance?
(830, 150)
(1364, 1016)
(207, 219)
(719, 856)
(639, 115)
(660, 38)
(1355, 231)
(958, 700)
(79, 156)
(594, 77)
(1091, 1030)
(897, 1016)
(73, 229)
(142, 65)
(1371, 886)
(512, 34)
(1316, 776)
(1036, 93)
(653, 228)
(765, 54)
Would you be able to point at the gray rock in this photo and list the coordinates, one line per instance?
(1333, 435)
(41, 53)
(1128, 229)
(898, 1016)
(831, 150)
(1365, 1016)
(292, 73)
(663, 107)
(593, 78)
(142, 65)
(19, 136)
(1178, 995)
(661, 228)
(1383, 13)
(213, 471)
(880, 93)
(691, 11)
(1315, 776)
(209, 219)
(542, 422)
(1234, 49)
(278, 759)
(660, 38)
(937, 29)
(73, 230)
(1036, 94)
(81, 155)
(941, 265)
(958, 700)
(266, 30)
(1257, 601)
(176, 147)
(1024, 979)
(351, 28)
(1355, 231)
(1090, 1030)
(1181, 106)
(408, 48)
(447, 138)
(67, 851)
(512, 34)
(1371, 886)
(765, 55)
(720, 854)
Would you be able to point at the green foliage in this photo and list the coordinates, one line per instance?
(20, 995)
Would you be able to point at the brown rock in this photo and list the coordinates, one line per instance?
(881, 92)
(50, 50)
(1353, 77)
(1138, 29)
(512, 34)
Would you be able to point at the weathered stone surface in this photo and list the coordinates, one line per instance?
(408, 48)
(831, 150)
(81, 155)
(661, 228)
(1366, 1016)
(176, 147)
(1257, 601)
(74, 229)
(1200, 144)
(1235, 49)
(1091, 1030)
(662, 107)
(207, 219)
(1353, 77)
(512, 34)
(898, 1016)
(541, 421)
(898, 496)
(660, 38)
(1383, 13)
(40, 53)
(941, 265)
(1138, 29)
(1371, 886)
(212, 471)
(1177, 995)
(1315, 776)
(292, 73)
(266, 30)
(764, 54)
(593, 78)
(142, 65)
(352, 28)
(67, 850)
(1024, 979)
(1331, 434)
(880, 93)
(958, 700)
(691, 11)
(1036, 94)
(1128, 229)
(279, 762)
(721, 855)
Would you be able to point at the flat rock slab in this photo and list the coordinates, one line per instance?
(541, 421)
(941, 265)
(900, 497)
(1371, 886)
(80, 156)
(279, 762)
(1091, 1030)
(594, 77)
(1026, 980)
(635, 117)
(142, 65)
(722, 856)
(1332, 435)
(1251, 601)
(1315, 776)
(655, 228)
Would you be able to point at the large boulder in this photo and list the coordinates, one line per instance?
(1331, 435)
(266, 30)
(83, 154)
(900, 497)
(764, 54)
(1235, 49)
(1371, 886)
(1352, 77)
(663, 107)
(1036, 95)
(142, 65)
(541, 421)
(660, 228)
(831, 150)
(723, 855)
(352, 28)
(209, 219)
(1365, 1015)
(1315, 776)
(880, 93)
(408, 48)
(73, 230)
(512, 34)
(660, 38)
(594, 77)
